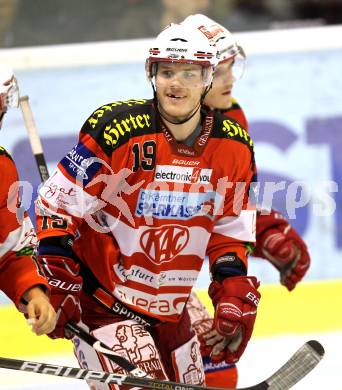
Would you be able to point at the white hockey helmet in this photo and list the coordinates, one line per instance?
(9, 92)
(226, 45)
(183, 44)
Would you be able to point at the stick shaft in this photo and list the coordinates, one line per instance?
(101, 376)
(34, 138)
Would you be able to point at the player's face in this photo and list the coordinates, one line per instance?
(219, 96)
(179, 88)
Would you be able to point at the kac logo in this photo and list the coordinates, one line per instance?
(165, 243)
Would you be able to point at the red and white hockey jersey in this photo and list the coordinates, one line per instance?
(235, 112)
(145, 210)
(18, 271)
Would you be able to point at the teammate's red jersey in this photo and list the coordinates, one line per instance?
(163, 205)
(235, 112)
(18, 271)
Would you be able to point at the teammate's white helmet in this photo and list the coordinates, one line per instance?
(184, 44)
(223, 39)
(9, 93)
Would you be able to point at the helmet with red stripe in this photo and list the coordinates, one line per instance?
(179, 43)
(226, 45)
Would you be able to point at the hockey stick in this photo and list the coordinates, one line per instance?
(299, 365)
(36, 145)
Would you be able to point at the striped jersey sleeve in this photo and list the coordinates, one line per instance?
(18, 270)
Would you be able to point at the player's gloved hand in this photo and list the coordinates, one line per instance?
(66, 285)
(280, 244)
(235, 301)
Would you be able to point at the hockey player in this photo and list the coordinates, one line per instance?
(20, 279)
(276, 241)
(157, 182)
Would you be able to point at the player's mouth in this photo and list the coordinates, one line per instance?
(175, 97)
(227, 92)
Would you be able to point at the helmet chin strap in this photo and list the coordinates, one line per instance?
(180, 122)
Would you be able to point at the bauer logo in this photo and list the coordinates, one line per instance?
(175, 174)
(80, 164)
(175, 205)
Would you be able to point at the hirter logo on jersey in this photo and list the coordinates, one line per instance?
(176, 174)
(165, 243)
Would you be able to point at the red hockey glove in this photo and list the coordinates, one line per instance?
(280, 244)
(66, 285)
(235, 301)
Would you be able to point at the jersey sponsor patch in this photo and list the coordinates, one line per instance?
(168, 278)
(135, 273)
(176, 174)
(121, 128)
(81, 163)
(164, 243)
(159, 304)
(110, 107)
(174, 205)
(234, 130)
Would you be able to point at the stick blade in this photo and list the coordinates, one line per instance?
(297, 367)
(316, 346)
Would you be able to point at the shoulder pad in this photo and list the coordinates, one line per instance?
(3, 152)
(231, 129)
(113, 109)
(236, 112)
(113, 124)
(235, 105)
